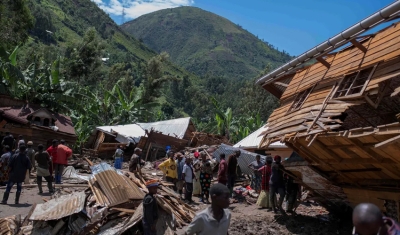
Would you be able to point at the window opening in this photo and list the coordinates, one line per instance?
(354, 83)
(46, 122)
(300, 98)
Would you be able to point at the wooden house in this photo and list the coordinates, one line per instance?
(34, 122)
(341, 114)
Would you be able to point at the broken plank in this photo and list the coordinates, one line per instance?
(388, 141)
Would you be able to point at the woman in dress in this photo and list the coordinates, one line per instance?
(5, 158)
(206, 174)
(196, 182)
(263, 198)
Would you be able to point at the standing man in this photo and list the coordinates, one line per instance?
(232, 169)
(214, 219)
(292, 191)
(30, 152)
(19, 164)
(180, 162)
(169, 168)
(8, 140)
(256, 180)
(52, 151)
(150, 209)
(188, 176)
(368, 219)
(20, 141)
(222, 170)
(63, 153)
(134, 163)
(118, 158)
(43, 170)
(276, 184)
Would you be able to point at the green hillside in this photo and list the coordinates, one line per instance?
(205, 43)
(58, 24)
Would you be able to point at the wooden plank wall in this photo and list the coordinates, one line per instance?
(38, 136)
(384, 47)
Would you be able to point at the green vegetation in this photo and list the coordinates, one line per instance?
(69, 56)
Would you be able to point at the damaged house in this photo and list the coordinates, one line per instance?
(34, 122)
(341, 114)
(152, 137)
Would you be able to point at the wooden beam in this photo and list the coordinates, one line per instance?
(358, 45)
(362, 161)
(281, 84)
(327, 151)
(366, 151)
(324, 104)
(324, 62)
(271, 89)
(355, 170)
(388, 141)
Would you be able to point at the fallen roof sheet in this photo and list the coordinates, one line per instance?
(175, 127)
(253, 140)
(59, 207)
(111, 188)
(130, 130)
(244, 160)
(9, 225)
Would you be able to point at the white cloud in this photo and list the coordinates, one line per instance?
(136, 8)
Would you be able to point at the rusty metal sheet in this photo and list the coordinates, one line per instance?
(59, 207)
(111, 188)
(10, 224)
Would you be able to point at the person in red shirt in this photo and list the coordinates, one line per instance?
(52, 150)
(263, 199)
(63, 153)
(222, 170)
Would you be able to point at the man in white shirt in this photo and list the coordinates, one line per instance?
(216, 218)
(188, 176)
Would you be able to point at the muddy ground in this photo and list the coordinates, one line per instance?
(311, 219)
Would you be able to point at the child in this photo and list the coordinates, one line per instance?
(150, 209)
(216, 218)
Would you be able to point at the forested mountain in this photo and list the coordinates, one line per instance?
(70, 56)
(205, 43)
(59, 26)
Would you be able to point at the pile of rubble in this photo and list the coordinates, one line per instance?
(110, 204)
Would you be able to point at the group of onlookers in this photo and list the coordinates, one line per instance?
(15, 166)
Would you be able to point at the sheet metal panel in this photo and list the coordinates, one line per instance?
(254, 139)
(59, 207)
(175, 127)
(117, 188)
(244, 160)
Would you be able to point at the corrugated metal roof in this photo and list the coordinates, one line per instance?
(130, 130)
(59, 207)
(9, 225)
(175, 127)
(253, 140)
(111, 188)
(244, 160)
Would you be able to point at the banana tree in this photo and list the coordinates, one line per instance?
(226, 125)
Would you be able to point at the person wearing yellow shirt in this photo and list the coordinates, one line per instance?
(169, 168)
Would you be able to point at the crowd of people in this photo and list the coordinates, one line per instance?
(20, 160)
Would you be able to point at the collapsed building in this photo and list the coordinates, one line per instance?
(34, 122)
(341, 114)
(152, 137)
